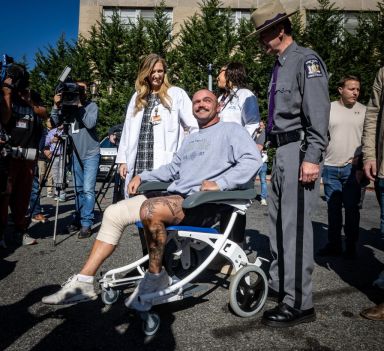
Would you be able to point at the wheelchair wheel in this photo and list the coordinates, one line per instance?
(151, 323)
(173, 264)
(109, 296)
(248, 291)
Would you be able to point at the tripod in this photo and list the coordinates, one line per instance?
(112, 175)
(64, 144)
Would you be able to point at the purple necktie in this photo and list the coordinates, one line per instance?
(271, 107)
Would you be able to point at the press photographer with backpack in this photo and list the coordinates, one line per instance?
(21, 119)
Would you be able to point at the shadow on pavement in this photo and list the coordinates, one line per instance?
(358, 273)
(85, 326)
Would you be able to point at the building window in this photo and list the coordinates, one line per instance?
(130, 15)
(350, 18)
(238, 15)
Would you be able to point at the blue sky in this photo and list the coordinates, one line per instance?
(29, 25)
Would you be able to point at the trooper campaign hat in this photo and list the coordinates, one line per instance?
(268, 15)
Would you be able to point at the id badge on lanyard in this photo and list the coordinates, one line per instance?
(156, 118)
(24, 123)
(75, 127)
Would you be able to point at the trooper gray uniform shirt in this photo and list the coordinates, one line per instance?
(302, 97)
(301, 103)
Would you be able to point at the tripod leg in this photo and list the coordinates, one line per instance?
(110, 177)
(42, 184)
(55, 227)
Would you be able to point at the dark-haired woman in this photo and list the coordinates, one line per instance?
(238, 103)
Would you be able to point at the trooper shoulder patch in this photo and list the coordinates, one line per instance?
(313, 68)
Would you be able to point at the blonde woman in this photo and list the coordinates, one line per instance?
(157, 117)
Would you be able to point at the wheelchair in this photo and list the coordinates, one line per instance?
(184, 261)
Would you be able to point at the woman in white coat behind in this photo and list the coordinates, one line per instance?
(238, 104)
(157, 117)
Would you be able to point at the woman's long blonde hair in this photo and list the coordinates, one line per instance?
(143, 87)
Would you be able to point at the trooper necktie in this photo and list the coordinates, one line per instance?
(271, 105)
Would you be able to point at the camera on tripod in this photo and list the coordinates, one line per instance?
(71, 94)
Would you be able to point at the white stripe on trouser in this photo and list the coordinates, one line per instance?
(117, 217)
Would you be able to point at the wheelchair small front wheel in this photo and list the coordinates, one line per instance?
(151, 323)
(109, 296)
(248, 291)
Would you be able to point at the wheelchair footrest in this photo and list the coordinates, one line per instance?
(191, 289)
(188, 291)
(185, 228)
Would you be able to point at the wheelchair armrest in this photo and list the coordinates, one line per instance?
(202, 197)
(153, 186)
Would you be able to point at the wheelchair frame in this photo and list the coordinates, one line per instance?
(189, 238)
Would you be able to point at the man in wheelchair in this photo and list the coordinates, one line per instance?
(220, 156)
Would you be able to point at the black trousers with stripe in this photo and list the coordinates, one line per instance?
(291, 234)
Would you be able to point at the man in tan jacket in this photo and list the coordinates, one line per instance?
(373, 158)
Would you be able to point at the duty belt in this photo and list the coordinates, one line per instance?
(280, 139)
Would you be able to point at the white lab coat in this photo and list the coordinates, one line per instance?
(168, 134)
(241, 107)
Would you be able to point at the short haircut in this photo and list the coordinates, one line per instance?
(341, 82)
(287, 26)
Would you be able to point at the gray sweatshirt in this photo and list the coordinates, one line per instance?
(224, 153)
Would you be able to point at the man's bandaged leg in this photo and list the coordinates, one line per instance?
(117, 217)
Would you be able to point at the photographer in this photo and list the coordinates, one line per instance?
(81, 123)
(114, 135)
(22, 125)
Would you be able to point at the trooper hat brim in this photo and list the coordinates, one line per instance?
(271, 23)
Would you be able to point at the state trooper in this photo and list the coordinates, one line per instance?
(298, 117)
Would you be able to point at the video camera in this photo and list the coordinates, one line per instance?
(71, 94)
(19, 75)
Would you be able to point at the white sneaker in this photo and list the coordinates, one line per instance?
(263, 202)
(27, 240)
(149, 284)
(72, 291)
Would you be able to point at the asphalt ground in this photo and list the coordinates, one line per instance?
(341, 289)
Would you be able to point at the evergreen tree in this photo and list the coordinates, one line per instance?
(159, 32)
(108, 54)
(257, 63)
(111, 54)
(49, 66)
(324, 33)
(208, 37)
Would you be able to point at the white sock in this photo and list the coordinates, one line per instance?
(85, 278)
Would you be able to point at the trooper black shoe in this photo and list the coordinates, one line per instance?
(283, 316)
(330, 250)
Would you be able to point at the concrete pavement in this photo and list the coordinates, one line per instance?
(341, 289)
